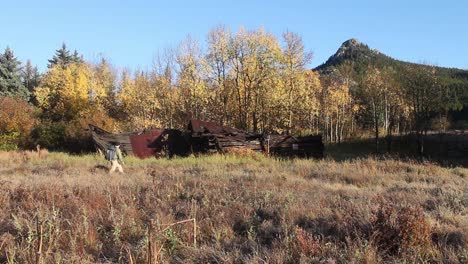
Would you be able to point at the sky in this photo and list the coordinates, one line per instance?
(130, 33)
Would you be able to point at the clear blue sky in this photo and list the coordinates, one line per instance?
(130, 33)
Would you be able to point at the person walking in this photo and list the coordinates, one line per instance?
(114, 156)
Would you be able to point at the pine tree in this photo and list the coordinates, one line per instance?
(31, 79)
(63, 57)
(77, 58)
(10, 76)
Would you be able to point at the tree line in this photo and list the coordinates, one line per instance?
(248, 79)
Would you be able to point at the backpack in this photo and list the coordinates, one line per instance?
(111, 154)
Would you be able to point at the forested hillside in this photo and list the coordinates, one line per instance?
(361, 56)
(398, 96)
(249, 79)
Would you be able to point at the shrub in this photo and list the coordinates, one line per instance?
(9, 141)
(399, 230)
(72, 136)
(17, 119)
(50, 135)
(306, 243)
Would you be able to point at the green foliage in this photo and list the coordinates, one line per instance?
(51, 135)
(31, 79)
(360, 56)
(172, 240)
(63, 57)
(10, 76)
(427, 90)
(9, 141)
(64, 136)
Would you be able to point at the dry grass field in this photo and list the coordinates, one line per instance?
(59, 208)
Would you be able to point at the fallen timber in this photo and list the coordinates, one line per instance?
(143, 144)
(288, 146)
(211, 137)
(207, 137)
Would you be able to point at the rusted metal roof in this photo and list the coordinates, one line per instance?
(134, 143)
(142, 143)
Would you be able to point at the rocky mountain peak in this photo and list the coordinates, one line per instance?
(349, 47)
(351, 42)
(352, 50)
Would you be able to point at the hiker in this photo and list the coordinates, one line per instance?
(114, 155)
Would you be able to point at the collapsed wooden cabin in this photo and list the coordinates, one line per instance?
(206, 137)
(211, 137)
(288, 146)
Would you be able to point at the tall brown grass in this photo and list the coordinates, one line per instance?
(246, 210)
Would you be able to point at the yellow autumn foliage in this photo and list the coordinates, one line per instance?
(140, 100)
(65, 92)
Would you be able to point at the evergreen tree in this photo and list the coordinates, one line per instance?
(77, 58)
(10, 76)
(31, 79)
(63, 57)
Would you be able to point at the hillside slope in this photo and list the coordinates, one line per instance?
(360, 55)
